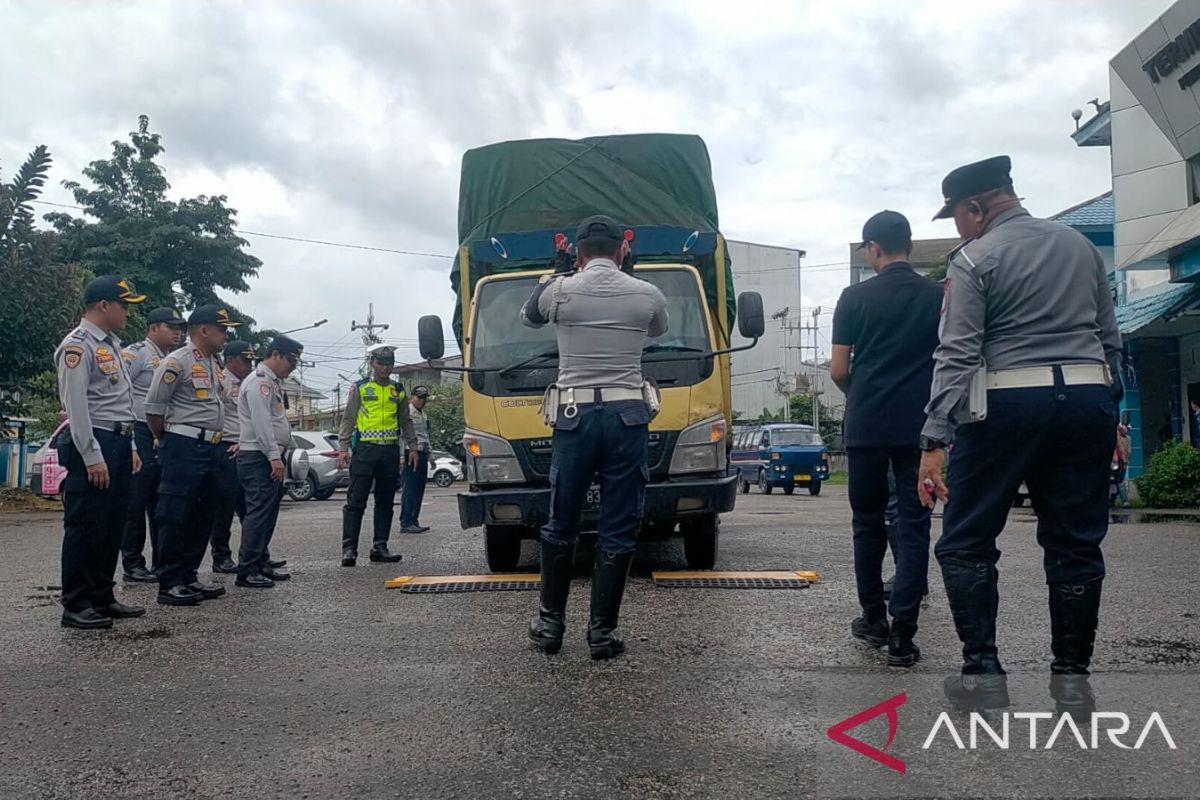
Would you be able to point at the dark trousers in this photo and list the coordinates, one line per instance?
(606, 443)
(143, 497)
(93, 521)
(263, 497)
(233, 501)
(375, 465)
(189, 493)
(869, 497)
(412, 493)
(1059, 440)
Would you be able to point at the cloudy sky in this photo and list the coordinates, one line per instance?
(346, 121)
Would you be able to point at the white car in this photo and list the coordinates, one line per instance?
(444, 469)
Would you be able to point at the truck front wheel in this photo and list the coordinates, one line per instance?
(700, 535)
(503, 545)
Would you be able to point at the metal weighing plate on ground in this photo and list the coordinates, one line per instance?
(441, 584)
(770, 579)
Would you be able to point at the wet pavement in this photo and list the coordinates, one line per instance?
(331, 686)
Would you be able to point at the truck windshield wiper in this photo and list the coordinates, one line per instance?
(509, 370)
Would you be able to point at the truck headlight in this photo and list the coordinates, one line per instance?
(700, 447)
(490, 459)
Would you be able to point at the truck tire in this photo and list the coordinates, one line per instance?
(700, 535)
(764, 482)
(789, 489)
(503, 546)
(814, 488)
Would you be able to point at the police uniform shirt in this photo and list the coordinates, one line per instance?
(229, 387)
(141, 360)
(602, 317)
(184, 390)
(262, 418)
(1027, 293)
(93, 386)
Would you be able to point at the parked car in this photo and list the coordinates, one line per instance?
(46, 474)
(444, 469)
(324, 477)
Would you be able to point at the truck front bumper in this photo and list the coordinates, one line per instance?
(529, 507)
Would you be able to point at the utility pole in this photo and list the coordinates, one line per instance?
(370, 326)
(816, 391)
(300, 410)
(782, 383)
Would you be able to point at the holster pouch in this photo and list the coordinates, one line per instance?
(652, 396)
(550, 405)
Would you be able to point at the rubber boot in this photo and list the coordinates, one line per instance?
(351, 525)
(974, 600)
(608, 589)
(1074, 612)
(547, 628)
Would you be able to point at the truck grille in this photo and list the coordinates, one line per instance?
(535, 455)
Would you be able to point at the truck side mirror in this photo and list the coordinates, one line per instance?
(432, 342)
(750, 315)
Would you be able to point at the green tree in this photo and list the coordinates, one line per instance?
(1172, 478)
(176, 251)
(446, 421)
(42, 295)
(802, 412)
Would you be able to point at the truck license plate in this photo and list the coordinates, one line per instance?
(593, 496)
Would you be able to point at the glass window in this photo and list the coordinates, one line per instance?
(796, 437)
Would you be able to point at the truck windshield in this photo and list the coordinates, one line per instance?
(792, 437)
(498, 339)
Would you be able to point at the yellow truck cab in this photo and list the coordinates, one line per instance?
(507, 367)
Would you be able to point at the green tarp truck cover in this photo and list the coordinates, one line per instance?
(540, 184)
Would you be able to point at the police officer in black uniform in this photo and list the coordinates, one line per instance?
(237, 364)
(1028, 311)
(98, 453)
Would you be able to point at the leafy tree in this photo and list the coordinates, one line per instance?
(176, 251)
(1172, 478)
(802, 411)
(41, 297)
(446, 421)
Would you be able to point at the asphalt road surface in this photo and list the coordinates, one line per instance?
(331, 686)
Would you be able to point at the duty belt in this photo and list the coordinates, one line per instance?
(572, 398)
(379, 437)
(1039, 377)
(120, 428)
(192, 432)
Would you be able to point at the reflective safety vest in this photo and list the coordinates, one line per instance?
(378, 411)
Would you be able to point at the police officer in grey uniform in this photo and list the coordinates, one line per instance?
(1029, 307)
(602, 318)
(186, 415)
(164, 333)
(262, 450)
(238, 363)
(98, 453)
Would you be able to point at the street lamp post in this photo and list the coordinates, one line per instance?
(316, 324)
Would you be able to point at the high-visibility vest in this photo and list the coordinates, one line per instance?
(377, 412)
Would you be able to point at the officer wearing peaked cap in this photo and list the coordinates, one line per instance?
(164, 333)
(98, 453)
(185, 413)
(263, 441)
(1028, 317)
(375, 418)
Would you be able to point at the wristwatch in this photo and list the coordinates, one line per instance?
(928, 444)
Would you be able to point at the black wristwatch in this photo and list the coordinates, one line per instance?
(928, 444)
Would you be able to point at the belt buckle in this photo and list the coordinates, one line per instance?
(216, 438)
(572, 409)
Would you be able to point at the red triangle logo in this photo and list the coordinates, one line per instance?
(838, 731)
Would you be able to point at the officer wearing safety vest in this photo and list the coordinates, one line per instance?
(376, 416)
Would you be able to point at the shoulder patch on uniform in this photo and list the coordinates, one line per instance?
(128, 356)
(265, 389)
(72, 356)
(169, 377)
(198, 354)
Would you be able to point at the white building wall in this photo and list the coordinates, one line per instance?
(772, 272)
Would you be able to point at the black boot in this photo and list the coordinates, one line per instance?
(901, 650)
(608, 589)
(974, 600)
(546, 629)
(1074, 610)
(351, 525)
(380, 554)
